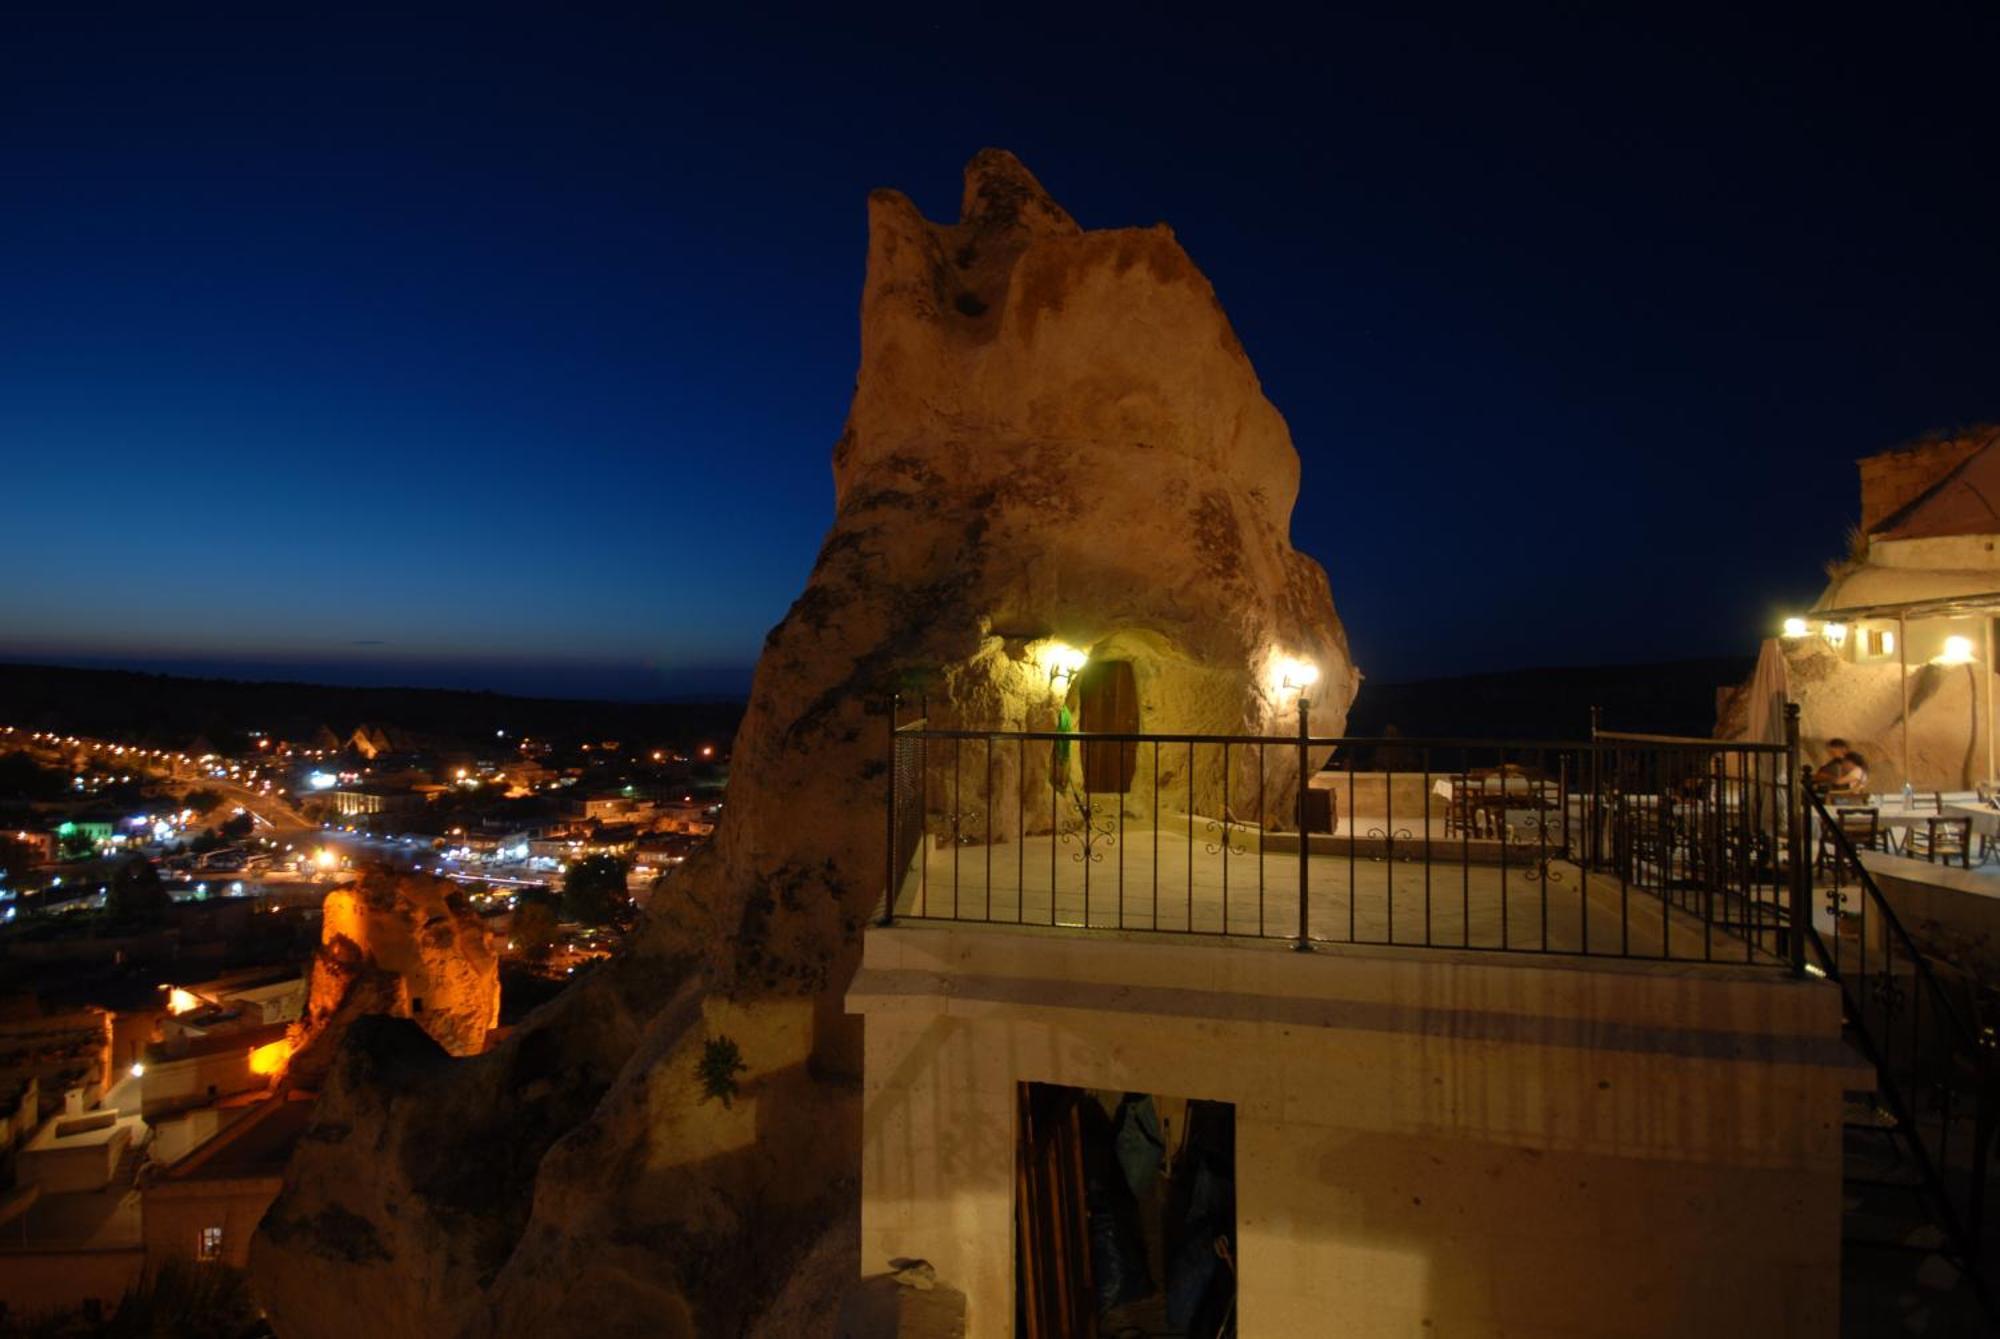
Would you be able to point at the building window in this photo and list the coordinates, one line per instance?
(211, 1244)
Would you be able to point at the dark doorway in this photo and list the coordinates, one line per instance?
(1124, 1215)
(1108, 703)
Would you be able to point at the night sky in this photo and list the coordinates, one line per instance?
(509, 351)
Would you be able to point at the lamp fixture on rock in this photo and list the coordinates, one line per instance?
(1296, 675)
(1062, 662)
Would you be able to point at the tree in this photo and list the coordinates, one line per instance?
(594, 891)
(76, 844)
(136, 893)
(534, 927)
(201, 799)
(237, 827)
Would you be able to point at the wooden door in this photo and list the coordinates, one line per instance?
(1108, 702)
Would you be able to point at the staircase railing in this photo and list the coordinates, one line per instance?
(1917, 1021)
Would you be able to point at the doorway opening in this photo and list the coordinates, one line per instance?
(1124, 1215)
(1107, 700)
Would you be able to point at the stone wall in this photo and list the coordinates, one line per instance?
(1894, 478)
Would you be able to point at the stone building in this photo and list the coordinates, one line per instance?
(1897, 654)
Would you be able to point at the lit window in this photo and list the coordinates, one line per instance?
(211, 1244)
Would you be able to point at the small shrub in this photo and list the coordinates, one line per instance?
(721, 1062)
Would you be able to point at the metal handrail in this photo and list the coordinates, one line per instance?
(1336, 741)
(1965, 1040)
(1709, 884)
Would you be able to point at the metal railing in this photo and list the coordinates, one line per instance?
(1619, 845)
(1917, 1020)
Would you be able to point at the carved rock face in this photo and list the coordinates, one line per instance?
(1054, 434)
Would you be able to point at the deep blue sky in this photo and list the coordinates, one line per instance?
(508, 349)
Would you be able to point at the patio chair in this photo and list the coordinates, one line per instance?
(1941, 840)
(1861, 827)
(1470, 810)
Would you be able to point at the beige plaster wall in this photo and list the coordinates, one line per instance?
(1426, 1144)
(176, 1212)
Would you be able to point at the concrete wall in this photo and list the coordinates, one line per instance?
(176, 1212)
(168, 1082)
(1894, 478)
(1426, 1143)
(81, 1164)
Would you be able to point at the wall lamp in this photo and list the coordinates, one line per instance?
(1063, 663)
(1296, 675)
(1835, 634)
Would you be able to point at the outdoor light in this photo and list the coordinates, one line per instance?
(1795, 627)
(1062, 663)
(138, 1070)
(1835, 634)
(1295, 675)
(1957, 651)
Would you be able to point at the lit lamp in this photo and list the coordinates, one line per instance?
(1795, 627)
(1296, 675)
(1063, 663)
(1957, 651)
(1835, 634)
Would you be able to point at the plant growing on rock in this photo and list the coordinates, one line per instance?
(721, 1062)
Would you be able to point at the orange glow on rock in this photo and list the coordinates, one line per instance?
(272, 1057)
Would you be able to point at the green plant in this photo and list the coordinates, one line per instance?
(721, 1062)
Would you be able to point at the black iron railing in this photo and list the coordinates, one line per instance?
(1918, 1020)
(1620, 845)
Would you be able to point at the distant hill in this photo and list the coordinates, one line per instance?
(164, 709)
(1675, 697)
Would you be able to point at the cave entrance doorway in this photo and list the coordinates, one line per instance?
(1107, 699)
(1124, 1215)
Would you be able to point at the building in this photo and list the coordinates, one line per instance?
(204, 1205)
(353, 801)
(1896, 656)
(1418, 1126)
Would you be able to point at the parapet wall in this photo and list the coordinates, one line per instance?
(1426, 1143)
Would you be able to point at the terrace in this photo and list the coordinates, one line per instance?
(1618, 846)
(1616, 851)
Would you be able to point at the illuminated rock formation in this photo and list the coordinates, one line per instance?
(403, 946)
(1055, 435)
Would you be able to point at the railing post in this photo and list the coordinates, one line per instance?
(889, 856)
(1594, 807)
(1795, 820)
(1304, 944)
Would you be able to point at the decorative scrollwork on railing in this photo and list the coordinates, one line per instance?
(963, 825)
(1094, 829)
(1389, 840)
(1219, 834)
(1538, 837)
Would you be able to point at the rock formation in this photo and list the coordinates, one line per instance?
(1054, 435)
(404, 946)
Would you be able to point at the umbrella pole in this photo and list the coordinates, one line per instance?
(1987, 674)
(1903, 665)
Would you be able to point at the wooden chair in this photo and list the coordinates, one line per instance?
(1941, 840)
(1861, 827)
